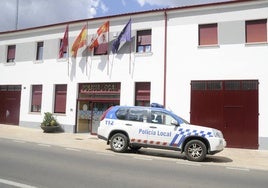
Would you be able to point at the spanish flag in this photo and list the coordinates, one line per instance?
(80, 41)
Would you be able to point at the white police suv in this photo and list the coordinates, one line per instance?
(134, 127)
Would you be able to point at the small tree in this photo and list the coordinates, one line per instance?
(49, 120)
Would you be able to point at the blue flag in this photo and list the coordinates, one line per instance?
(125, 35)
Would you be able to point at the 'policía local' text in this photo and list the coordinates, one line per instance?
(155, 133)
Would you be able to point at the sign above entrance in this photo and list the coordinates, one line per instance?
(100, 91)
(100, 88)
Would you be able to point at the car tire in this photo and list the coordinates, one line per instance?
(119, 143)
(195, 150)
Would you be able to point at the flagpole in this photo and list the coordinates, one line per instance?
(17, 15)
(68, 53)
(130, 56)
(87, 51)
(130, 48)
(108, 59)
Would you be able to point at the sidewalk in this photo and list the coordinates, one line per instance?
(229, 157)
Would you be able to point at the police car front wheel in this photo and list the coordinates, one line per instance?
(119, 143)
(195, 150)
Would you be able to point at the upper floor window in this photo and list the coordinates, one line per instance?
(208, 34)
(36, 98)
(144, 41)
(60, 98)
(256, 31)
(101, 49)
(11, 50)
(39, 50)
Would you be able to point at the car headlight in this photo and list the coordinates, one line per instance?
(217, 133)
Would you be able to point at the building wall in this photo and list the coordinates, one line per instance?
(186, 61)
(122, 67)
(232, 59)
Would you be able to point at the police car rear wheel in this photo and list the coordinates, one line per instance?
(195, 150)
(119, 143)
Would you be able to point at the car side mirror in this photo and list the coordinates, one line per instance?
(174, 122)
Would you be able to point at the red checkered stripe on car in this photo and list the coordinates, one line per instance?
(149, 142)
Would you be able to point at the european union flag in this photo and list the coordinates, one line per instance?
(125, 35)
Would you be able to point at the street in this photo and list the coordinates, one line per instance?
(31, 165)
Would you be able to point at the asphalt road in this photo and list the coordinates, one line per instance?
(31, 165)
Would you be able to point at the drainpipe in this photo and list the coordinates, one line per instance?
(165, 60)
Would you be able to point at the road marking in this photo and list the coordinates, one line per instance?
(143, 158)
(19, 141)
(44, 145)
(15, 184)
(107, 154)
(72, 149)
(240, 169)
(188, 164)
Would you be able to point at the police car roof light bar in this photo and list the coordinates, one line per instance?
(156, 105)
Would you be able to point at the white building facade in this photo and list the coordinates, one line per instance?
(206, 63)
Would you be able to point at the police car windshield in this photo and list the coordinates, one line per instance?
(184, 121)
(178, 118)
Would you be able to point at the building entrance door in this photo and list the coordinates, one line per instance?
(88, 115)
(93, 100)
(83, 116)
(10, 104)
(228, 105)
(98, 109)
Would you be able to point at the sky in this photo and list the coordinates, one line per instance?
(34, 13)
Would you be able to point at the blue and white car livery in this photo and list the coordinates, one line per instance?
(156, 127)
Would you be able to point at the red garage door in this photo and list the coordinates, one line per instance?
(10, 104)
(231, 106)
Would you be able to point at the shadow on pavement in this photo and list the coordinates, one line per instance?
(177, 155)
(217, 159)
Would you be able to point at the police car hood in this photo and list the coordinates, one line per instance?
(196, 127)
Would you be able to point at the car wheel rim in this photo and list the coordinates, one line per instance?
(195, 151)
(118, 143)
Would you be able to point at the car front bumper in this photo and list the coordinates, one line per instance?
(216, 145)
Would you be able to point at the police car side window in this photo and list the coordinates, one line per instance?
(161, 118)
(169, 119)
(156, 117)
(122, 113)
(137, 114)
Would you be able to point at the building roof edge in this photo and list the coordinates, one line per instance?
(187, 7)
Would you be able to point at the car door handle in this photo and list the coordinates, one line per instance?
(153, 127)
(128, 124)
